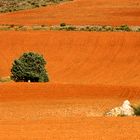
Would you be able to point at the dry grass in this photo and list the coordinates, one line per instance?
(16, 5)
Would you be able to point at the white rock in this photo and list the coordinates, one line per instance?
(127, 109)
(124, 110)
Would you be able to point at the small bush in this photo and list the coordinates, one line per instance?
(123, 28)
(70, 28)
(136, 110)
(63, 24)
(12, 26)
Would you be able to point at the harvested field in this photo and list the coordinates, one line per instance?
(79, 12)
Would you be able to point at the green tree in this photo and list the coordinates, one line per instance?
(29, 67)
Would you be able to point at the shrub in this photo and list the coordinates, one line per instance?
(63, 24)
(29, 67)
(70, 28)
(12, 26)
(136, 110)
(123, 28)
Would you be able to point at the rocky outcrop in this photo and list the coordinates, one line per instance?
(124, 110)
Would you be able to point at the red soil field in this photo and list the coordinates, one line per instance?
(57, 111)
(79, 12)
(78, 57)
(90, 73)
(98, 128)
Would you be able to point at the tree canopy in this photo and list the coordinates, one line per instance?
(29, 67)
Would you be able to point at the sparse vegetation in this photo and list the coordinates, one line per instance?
(70, 28)
(30, 67)
(16, 5)
(5, 79)
(65, 27)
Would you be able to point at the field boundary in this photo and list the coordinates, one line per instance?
(64, 27)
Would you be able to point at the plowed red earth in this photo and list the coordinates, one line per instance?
(79, 12)
(78, 57)
(89, 74)
(73, 129)
(57, 111)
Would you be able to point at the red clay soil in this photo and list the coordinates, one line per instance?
(79, 12)
(78, 57)
(97, 128)
(90, 73)
(80, 64)
(59, 111)
(35, 101)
